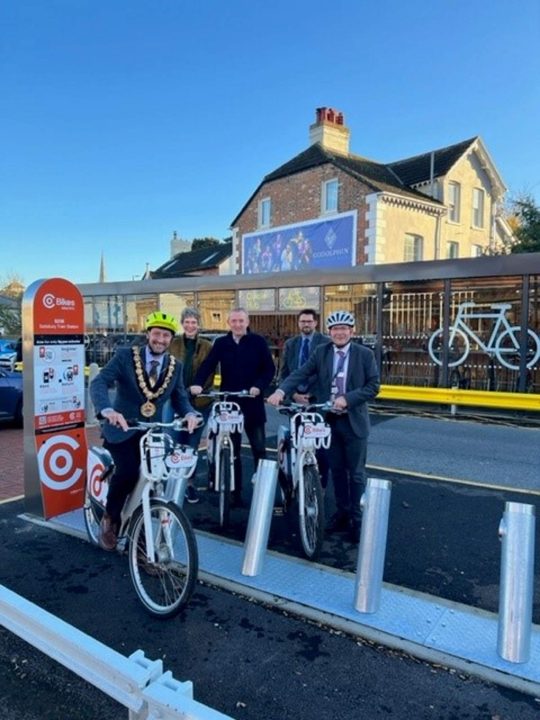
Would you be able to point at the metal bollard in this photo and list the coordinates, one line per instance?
(516, 532)
(370, 567)
(260, 517)
(93, 370)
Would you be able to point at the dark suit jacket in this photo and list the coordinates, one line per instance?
(243, 365)
(362, 384)
(120, 372)
(291, 357)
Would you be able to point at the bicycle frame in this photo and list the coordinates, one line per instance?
(501, 323)
(164, 472)
(225, 418)
(308, 432)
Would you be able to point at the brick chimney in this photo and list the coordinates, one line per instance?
(329, 130)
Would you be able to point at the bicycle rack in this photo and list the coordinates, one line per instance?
(369, 572)
(516, 532)
(260, 517)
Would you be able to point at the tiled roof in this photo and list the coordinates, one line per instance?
(194, 261)
(378, 176)
(414, 170)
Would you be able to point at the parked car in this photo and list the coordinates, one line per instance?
(11, 396)
(8, 354)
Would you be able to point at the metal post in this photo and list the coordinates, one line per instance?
(516, 532)
(93, 370)
(260, 517)
(369, 572)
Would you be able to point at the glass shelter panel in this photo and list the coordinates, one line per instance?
(485, 336)
(410, 311)
(214, 308)
(533, 373)
(108, 328)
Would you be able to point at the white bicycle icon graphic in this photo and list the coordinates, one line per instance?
(504, 340)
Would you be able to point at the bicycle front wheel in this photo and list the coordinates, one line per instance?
(164, 586)
(312, 517)
(508, 348)
(225, 486)
(458, 347)
(92, 519)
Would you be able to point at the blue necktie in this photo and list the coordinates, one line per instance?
(304, 353)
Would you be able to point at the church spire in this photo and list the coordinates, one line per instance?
(102, 275)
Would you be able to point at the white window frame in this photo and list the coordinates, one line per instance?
(452, 249)
(330, 196)
(413, 248)
(265, 212)
(454, 201)
(477, 250)
(478, 207)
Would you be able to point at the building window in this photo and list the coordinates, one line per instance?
(477, 251)
(452, 249)
(414, 248)
(330, 196)
(478, 207)
(454, 199)
(265, 212)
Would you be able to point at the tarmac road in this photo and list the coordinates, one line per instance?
(247, 661)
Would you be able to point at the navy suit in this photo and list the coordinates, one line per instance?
(124, 446)
(291, 356)
(350, 430)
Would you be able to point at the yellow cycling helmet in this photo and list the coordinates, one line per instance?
(162, 320)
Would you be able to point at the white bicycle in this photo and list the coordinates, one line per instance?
(154, 530)
(298, 471)
(225, 418)
(504, 341)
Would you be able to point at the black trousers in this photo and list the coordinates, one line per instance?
(257, 441)
(347, 458)
(127, 461)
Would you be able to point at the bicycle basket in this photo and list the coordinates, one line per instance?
(154, 449)
(315, 434)
(226, 417)
(182, 460)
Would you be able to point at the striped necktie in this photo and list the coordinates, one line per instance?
(153, 373)
(340, 375)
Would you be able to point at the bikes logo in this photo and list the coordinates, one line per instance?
(57, 464)
(98, 488)
(50, 301)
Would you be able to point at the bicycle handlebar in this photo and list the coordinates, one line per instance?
(294, 407)
(223, 394)
(178, 423)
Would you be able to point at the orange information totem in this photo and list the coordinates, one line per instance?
(55, 449)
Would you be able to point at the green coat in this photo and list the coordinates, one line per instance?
(202, 348)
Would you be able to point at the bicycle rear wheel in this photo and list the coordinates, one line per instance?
(312, 519)
(164, 586)
(225, 487)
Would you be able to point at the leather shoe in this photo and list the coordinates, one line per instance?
(337, 522)
(354, 532)
(107, 533)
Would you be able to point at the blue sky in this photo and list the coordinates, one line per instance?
(125, 120)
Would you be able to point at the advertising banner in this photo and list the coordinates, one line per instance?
(323, 243)
(54, 396)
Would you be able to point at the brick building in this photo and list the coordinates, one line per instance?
(445, 203)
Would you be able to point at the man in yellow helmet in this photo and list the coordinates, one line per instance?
(144, 379)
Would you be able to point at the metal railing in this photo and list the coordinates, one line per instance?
(135, 681)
